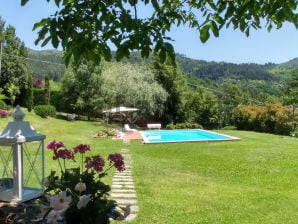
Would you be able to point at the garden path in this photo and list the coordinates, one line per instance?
(123, 190)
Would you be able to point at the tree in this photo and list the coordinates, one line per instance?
(291, 89)
(12, 90)
(291, 95)
(202, 108)
(14, 69)
(85, 27)
(47, 90)
(82, 89)
(174, 82)
(135, 86)
(29, 94)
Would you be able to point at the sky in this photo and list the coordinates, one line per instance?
(277, 46)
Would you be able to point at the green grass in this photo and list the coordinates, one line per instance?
(250, 181)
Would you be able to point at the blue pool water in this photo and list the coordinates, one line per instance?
(192, 135)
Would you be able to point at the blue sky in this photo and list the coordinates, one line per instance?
(260, 47)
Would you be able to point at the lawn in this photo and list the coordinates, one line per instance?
(253, 180)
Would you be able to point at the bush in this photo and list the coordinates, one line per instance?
(272, 118)
(184, 126)
(38, 96)
(45, 110)
(4, 113)
(230, 127)
(56, 99)
(3, 105)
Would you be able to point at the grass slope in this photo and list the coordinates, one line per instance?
(250, 181)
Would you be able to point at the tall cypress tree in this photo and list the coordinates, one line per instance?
(170, 76)
(47, 89)
(29, 94)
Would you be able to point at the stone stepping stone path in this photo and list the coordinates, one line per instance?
(123, 190)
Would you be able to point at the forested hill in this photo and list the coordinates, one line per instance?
(49, 62)
(224, 70)
(290, 64)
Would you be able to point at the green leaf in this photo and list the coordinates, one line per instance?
(242, 25)
(133, 2)
(204, 33)
(269, 27)
(214, 28)
(67, 57)
(162, 55)
(41, 23)
(171, 51)
(41, 35)
(106, 51)
(158, 45)
(57, 2)
(247, 31)
(155, 5)
(55, 40)
(46, 41)
(212, 5)
(23, 2)
(145, 52)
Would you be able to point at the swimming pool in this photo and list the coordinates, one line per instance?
(189, 135)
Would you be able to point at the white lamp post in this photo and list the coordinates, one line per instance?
(21, 160)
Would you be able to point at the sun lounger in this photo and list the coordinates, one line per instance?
(128, 129)
(152, 126)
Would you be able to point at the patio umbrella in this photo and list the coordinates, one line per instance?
(121, 110)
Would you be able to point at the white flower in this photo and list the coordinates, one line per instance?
(84, 199)
(60, 201)
(53, 217)
(80, 187)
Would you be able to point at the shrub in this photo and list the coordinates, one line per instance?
(186, 125)
(4, 113)
(38, 96)
(29, 94)
(170, 126)
(230, 127)
(3, 105)
(272, 118)
(45, 110)
(56, 99)
(79, 195)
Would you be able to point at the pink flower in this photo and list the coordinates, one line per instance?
(118, 161)
(82, 148)
(55, 145)
(63, 154)
(96, 162)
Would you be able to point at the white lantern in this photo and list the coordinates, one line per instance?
(21, 160)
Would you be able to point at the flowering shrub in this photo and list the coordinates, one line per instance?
(79, 195)
(4, 113)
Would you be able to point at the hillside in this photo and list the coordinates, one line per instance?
(222, 70)
(47, 62)
(50, 62)
(290, 64)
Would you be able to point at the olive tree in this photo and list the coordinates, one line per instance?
(135, 86)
